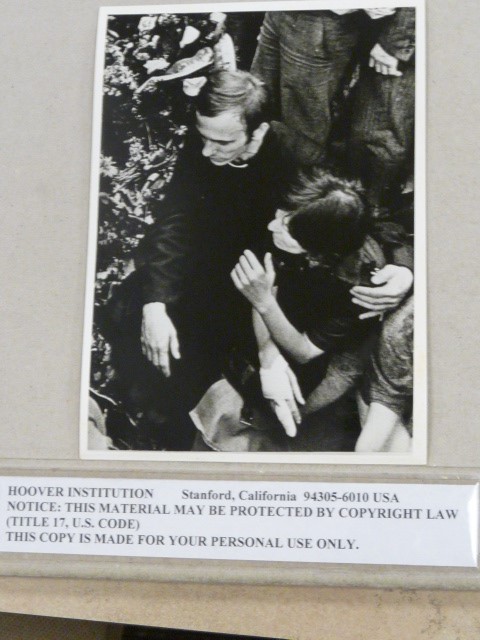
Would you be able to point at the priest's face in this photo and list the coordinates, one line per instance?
(225, 137)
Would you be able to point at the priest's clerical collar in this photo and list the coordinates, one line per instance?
(238, 164)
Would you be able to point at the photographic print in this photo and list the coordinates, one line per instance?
(256, 269)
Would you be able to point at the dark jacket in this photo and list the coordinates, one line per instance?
(316, 298)
(208, 217)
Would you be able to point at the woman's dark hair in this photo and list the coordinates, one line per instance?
(237, 91)
(328, 215)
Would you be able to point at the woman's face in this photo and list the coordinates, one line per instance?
(280, 234)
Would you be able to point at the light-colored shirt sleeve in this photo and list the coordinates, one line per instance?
(342, 12)
(375, 14)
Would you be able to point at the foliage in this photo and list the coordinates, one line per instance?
(142, 132)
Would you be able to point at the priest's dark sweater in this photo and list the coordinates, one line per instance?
(208, 217)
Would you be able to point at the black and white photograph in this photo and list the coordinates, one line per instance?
(257, 235)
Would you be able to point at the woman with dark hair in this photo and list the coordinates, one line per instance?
(324, 243)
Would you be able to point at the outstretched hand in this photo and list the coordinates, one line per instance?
(393, 283)
(280, 386)
(159, 337)
(383, 62)
(254, 280)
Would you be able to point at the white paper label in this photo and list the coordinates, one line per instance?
(361, 523)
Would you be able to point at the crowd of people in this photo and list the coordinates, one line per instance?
(271, 307)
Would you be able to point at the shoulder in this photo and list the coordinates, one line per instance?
(274, 159)
(274, 140)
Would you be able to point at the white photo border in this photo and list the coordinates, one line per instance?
(418, 455)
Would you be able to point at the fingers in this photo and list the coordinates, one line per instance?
(378, 279)
(250, 278)
(373, 293)
(236, 280)
(249, 270)
(153, 354)
(387, 69)
(248, 265)
(175, 346)
(376, 306)
(383, 62)
(162, 361)
(242, 277)
(370, 314)
(358, 292)
(285, 417)
(143, 344)
(386, 66)
(292, 407)
(159, 357)
(268, 263)
(147, 349)
(393, 283)
(375, 299)
(159, 354)
(397, 277)
(297, 393)
(264, 127)
(252, 260)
